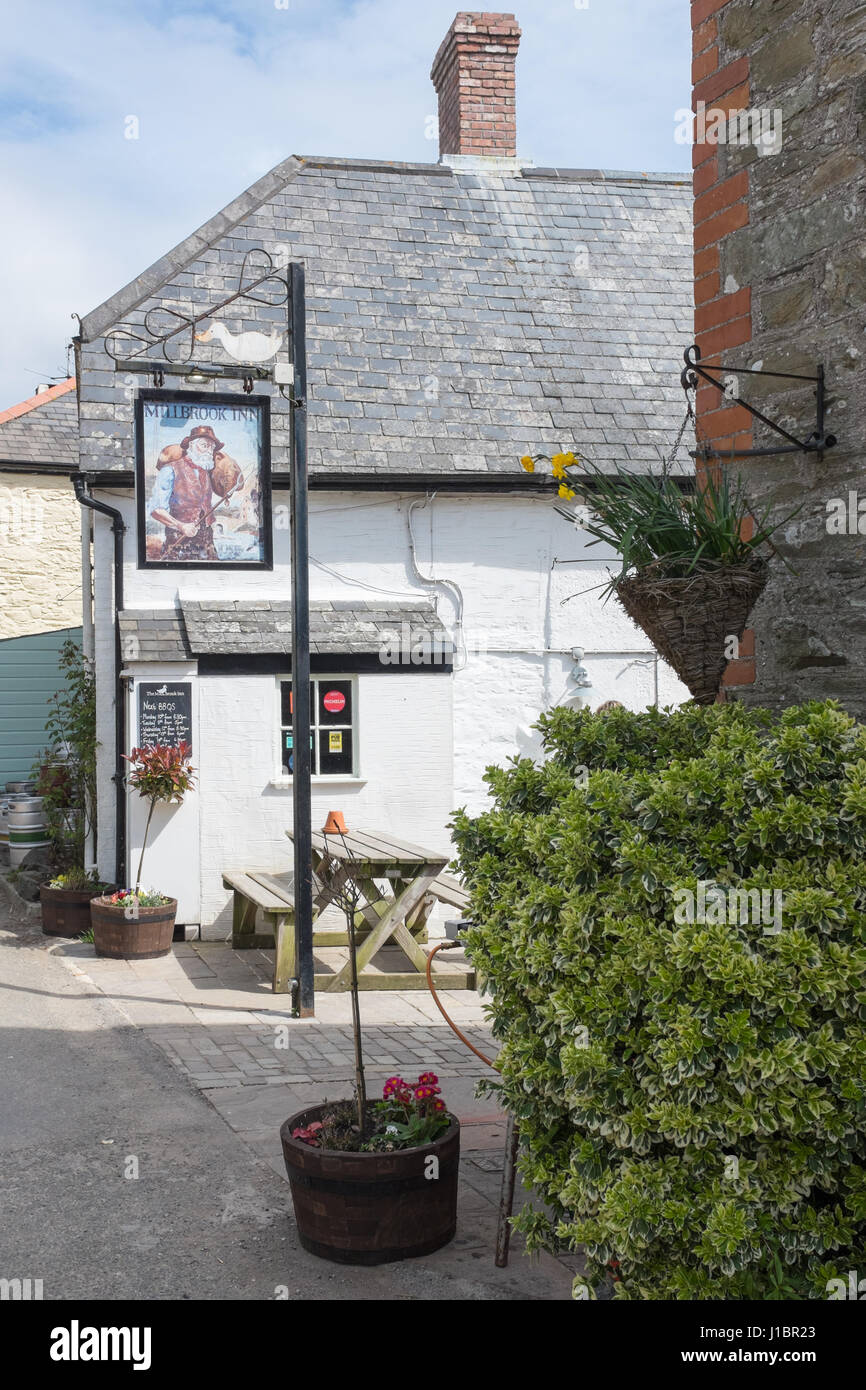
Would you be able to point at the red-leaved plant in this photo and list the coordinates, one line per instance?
(161, 773)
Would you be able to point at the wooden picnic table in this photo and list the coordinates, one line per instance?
(416, 883)
(362, 856)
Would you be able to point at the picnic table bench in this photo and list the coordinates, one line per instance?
(401, 914)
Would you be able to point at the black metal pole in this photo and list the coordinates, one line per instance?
(301, 765)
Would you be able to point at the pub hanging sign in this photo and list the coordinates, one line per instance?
(203, 481)
(165, 713)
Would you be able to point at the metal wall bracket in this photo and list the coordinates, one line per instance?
(206, 371)
(816, 443)
(171, 333)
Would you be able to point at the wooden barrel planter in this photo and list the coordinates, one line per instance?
(65, 911)
(371, 1208)
(143, 937)
(689, 620)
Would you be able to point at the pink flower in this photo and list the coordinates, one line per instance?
(439, 1105)
(428, 1078)
(310, 1135)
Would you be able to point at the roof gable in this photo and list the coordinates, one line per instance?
(455, 319)
(42, 429)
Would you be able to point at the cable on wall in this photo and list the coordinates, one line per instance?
(449, 584)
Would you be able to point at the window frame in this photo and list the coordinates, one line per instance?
(346, 677)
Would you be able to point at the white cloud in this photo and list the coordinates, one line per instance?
(223, 91)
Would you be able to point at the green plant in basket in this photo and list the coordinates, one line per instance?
(691, 565)
(651, 522)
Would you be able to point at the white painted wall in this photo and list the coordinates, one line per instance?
(40, 555)
(523, 573)
(405, 762)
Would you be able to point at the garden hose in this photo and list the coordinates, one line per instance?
(446, 946)
(506, 1200)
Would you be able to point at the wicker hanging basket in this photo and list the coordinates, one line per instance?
(689, 620)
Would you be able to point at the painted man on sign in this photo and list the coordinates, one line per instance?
(202, 480)
(192, 479)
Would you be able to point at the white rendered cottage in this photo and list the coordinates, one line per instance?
(459, 315)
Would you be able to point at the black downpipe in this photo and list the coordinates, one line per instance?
(117, 525)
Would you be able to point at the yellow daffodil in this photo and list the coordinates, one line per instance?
(560, 462)
(566, 492)
(528, 462)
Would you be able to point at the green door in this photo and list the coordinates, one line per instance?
(29, 676)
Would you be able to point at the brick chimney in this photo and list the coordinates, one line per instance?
(473, 74)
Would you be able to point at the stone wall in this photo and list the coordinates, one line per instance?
(780, 284)
(40, 555)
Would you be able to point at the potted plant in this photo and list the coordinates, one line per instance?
(372, 1182)
(66, 902)
(129, 924)
(692, 566)
(65, 782)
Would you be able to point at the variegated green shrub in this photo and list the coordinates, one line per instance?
(690, 1093)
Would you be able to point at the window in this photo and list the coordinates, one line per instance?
(332, 727)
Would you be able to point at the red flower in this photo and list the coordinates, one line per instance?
(439, 1105)
(428, 1078)
(310, 1134)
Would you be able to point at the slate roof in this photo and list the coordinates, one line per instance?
(215, 626)
(43, 429)
(455, 319)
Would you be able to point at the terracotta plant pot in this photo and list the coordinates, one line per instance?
(66, 911)
(143, 937)
(371, 1208)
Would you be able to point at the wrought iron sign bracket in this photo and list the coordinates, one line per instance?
(201, 372)
(816, 443)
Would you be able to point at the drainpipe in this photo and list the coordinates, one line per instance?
(88, 648)
(83, 497)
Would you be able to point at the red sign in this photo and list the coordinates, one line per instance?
(334, 701)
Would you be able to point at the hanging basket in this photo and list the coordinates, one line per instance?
(688, 620)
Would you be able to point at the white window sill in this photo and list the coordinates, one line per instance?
(285, 783)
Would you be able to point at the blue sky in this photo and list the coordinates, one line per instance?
(224, 89)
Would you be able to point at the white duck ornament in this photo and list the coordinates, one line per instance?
(244, 347)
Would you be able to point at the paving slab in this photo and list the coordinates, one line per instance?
(209, 1015)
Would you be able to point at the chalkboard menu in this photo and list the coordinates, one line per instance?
(165, 713)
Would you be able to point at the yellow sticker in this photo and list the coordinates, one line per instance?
(335, 743)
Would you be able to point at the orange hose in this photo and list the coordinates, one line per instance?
(447, 946)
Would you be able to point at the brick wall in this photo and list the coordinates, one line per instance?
(473, 74)
(723, 308)
(780, 283)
